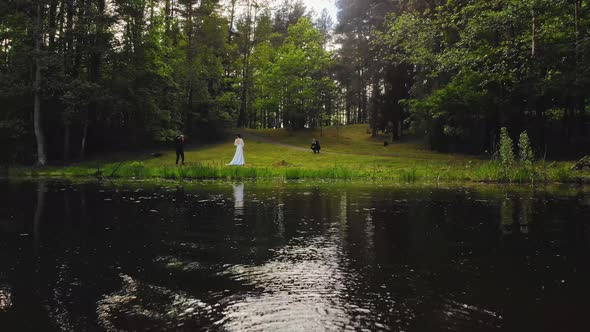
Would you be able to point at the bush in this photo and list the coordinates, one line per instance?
(136, 169)
(525, 151)
(506, 149)
(564, 175)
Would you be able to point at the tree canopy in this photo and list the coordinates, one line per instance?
(80, 76)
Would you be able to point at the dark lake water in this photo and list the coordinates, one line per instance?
(292, 257)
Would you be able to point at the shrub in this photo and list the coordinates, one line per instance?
(564, 175)
(506, 148)
(525, 151)
(136, 169)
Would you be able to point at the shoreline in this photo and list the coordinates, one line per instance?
(485, 173)
(349, 155)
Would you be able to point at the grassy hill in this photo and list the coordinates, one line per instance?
(347, 153)
(355, 140)
(349, 147)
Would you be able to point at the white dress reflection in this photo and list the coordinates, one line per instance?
(238, 199)
(301, 287)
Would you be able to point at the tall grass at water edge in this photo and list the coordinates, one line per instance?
(491, 171)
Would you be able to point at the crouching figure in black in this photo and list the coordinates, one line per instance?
(315, 146)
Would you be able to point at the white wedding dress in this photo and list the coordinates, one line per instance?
(239, 156)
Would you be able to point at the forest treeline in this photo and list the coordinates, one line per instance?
(92, 75)
(459, 70)
(83, 76)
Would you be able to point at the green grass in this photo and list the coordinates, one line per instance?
(356, 140)
(348, 153)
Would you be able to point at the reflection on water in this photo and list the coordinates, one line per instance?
(238, 199)
(301, 287)
(522, 208)
(5, 297)
(526, 213)
(507, 215)
(173, 309)
(291, 257)
(39, 208)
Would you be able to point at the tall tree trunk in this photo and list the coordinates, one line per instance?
(579, 90)
(191, 64)
(65, 49)
(39, 135)
(374, 107)
(60, 29)
(81, 28)
(227, 58)
(348, 104)
(365, 103)
(98, 43)
(167, 17)
(95, 55)
(69, 38)
(52, 20)
(579, 95)
(232, 15)
(242, 116)
(94, 68)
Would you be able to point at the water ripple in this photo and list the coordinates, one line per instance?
(143, 306)
(301, 289)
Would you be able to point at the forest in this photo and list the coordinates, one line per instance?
(82, 77)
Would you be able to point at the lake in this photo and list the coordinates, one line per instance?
(292, 257)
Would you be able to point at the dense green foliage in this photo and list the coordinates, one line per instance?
(93, 75)
(480, 65)
(506, 149)
(526, 155)
(129, 73)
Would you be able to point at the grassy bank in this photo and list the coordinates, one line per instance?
(348, 153)
(482, 172)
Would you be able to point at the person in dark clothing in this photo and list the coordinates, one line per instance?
(315, 146)
(179, 142)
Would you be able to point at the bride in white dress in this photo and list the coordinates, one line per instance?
(239, 156)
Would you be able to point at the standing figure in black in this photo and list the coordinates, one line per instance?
(179, 143)
(315, 146)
